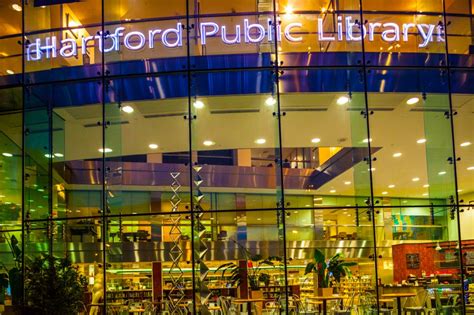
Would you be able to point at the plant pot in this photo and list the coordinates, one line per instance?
(256, 294)
(325, 291)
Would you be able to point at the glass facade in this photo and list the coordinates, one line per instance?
(190, 156)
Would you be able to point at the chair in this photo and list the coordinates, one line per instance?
(451, 308)
(271, 308)
(345, 309)
(226, 304)
(423, 308)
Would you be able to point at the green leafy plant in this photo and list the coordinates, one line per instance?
(255, 270)
(53, 286)
(335, 267)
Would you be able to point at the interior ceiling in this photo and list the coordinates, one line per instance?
(235, 122)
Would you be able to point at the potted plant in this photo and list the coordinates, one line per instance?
(53, 286)
(255, 271)
(335, 267)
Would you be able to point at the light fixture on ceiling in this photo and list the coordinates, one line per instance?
(426, 186)
(442, 173)
(343, 100)
(438, 248)
(397, 155)
(421, 141)
(367, 140)
(153, 146)
(464, 144)
(384, 192)
(413, 101)
(10, 71)
(332, 191)
(16, 7)
(260, 141)
(59, 155)
(315, 140)
(289, 10)
(391, 186)
(6, 154)
(347, 183)
(270, 101)
(209, 143)
(127, 109)
(415, 179)
(470, 168)
(49, 156)
(105, 150)
(198, 104)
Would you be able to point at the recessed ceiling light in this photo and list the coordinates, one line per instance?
(198, 104)
(425, 194)
(415, 179)
(413, 100)
(260, 141)
(10, 71)
(426, 186)
(209, 143)
(6, 154)
(396, 155)
(470, 168)
(442, 173)
(459, 190)
(153, 146)
(384, 192)
(373, 169)
(294, 232)
(343, 100)
(259, 219)
(16, 7)
(347, 183)
(58, 155)
(270, 101)
(105, 150)
(127, 109)
(420, 141)
(332, 191)
(391, 186)
(464, 144)
(316, 140)
(49, 156)
(367, 140)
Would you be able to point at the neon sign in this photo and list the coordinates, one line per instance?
(249, 33)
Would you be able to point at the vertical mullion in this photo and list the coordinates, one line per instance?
(281, 210)
(103, 176)
(23, 204)
(371, 183)
(454, 158)
(190, 155)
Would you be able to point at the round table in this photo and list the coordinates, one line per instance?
(325, 300)
(248, 302)
(399, 297)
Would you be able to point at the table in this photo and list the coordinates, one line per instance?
(248, 302)
(399, 297)
(325, 300)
